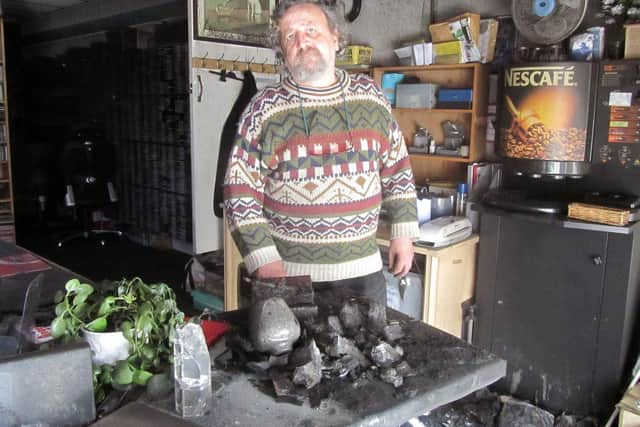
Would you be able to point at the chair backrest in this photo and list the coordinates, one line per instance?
(88, 165)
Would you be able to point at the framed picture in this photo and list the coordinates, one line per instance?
(233, 21)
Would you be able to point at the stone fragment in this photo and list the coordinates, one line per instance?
(377, 317)
(304, 311)
(308, 362)
(350, 315)
(393, 331)
(384, 355)
(272, 326)
(516, 413)
(390, 375)
(565, 420)
(344, 346)
(334, 325)
(404, 369)
(287, 391)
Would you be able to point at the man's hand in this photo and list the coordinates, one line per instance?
(400, 256)
(272, 270)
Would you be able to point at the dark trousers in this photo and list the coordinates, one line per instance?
(371, 286)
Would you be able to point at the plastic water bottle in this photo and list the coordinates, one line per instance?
(192, 371)
(461, 200)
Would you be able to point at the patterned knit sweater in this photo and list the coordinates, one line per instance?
(308, 174)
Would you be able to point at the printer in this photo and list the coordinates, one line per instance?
(444, 231)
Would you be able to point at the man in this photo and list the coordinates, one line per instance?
(314, 160)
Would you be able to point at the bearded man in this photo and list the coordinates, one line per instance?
(314, 161)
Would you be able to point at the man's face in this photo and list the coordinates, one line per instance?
(308, 44)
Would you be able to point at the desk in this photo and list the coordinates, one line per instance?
(446, 369)
(19, 271)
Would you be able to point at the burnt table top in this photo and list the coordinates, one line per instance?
(446, 368)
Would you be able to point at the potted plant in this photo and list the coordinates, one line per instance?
(145, 314)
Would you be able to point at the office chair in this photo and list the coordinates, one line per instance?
(88, 166)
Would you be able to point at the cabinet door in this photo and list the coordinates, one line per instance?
(451, 281)
(548, 292)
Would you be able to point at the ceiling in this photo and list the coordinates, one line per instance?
(24, 10)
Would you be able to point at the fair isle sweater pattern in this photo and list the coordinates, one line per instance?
(310, 193)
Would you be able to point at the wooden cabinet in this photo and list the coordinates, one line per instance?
(449, 280)
(459, 76)
(7, 222)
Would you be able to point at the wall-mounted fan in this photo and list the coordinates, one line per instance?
(547, 21)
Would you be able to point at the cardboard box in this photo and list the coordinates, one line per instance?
(632, 41)
(464, 27)
(455, 52)
(355, 55)
(487, 40)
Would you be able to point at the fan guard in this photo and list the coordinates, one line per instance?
(547, 21)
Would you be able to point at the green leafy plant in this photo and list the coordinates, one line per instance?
(146, 314)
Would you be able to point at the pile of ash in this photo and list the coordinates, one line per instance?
(294, 345)
(485, 408)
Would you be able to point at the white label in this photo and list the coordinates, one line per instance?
(620, 99)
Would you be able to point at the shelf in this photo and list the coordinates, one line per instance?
(474, 76)
(434, 67)
(437, 157)
(432, 110)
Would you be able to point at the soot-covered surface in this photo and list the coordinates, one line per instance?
(446, 370)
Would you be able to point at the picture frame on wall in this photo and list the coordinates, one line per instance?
(243, 22)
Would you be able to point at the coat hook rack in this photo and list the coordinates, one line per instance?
(234, 65)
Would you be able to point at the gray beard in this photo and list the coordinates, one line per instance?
(303, 73)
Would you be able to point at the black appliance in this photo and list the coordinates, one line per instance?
(616, 138)
(606, 111)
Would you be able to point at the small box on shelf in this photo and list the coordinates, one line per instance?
(416, 95)
(632, 41)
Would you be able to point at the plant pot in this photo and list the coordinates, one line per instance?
(107, 347)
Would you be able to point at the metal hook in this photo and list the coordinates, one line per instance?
(263, 64)
(233, 63)
(204, 58)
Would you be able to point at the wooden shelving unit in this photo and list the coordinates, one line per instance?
(458, 76)
(7, 214)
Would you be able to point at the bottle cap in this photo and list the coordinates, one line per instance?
(462, 187)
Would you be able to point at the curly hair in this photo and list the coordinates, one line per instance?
(330, 9)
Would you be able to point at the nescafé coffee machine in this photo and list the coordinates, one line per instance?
(569, 131)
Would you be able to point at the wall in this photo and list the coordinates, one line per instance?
(385, 24)
(444, 9)
(210, 103)
(94, 12)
